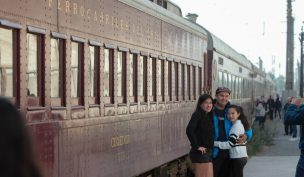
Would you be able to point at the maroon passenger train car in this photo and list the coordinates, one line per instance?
(106, 86)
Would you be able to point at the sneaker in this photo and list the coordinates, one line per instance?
(293, 139)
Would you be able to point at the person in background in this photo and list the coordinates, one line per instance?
(237, 152)
(278, 107)
(295, 116)
(260, 114)
(201, 136)
(16, 152)
(287, 128)
(222, 126)
(271, 107)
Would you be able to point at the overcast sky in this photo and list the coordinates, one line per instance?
(254, 28)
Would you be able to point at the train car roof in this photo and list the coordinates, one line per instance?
(218, 45)
(165, 15)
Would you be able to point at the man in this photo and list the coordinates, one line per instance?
(271, 106)
(295, 116)
(222, 127)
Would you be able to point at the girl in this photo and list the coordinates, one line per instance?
(238, 152)
(201, 136)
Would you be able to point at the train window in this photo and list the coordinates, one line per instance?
(188, 83)
(169, 86)
(133, 76)
(8, 63)
(159, 77)
(200, 81)
(220, 79)
(194, 82)
(153, 70)
(225, 79)
(162, 81)
(176, 81)
(77, 71)
(94, 75)
(232, 86)
(122, 76)
(145, 78)
(108, 86)
(58, 72)
(228, 81)
(220, 61)
(240, 87)
(35, 84)
(183, 80)
(236, 88)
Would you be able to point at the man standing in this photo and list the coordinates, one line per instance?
(295, 116)
(270, 104)
(222, 127)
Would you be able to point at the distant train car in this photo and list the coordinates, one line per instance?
(107, 87)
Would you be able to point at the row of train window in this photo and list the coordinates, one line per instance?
(147, 78)
(239, 86)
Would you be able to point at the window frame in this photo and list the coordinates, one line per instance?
(95, 99)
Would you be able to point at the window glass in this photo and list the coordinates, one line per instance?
(6, 62)
(74, 69)
(55, 70)
(106, 73)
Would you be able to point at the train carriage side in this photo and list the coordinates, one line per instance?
(107, 87)
(233, 70)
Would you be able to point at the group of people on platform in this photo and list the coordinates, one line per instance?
(218, 132)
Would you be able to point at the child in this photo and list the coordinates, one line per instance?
(238, 152)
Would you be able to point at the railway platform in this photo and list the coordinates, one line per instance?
(277, 160)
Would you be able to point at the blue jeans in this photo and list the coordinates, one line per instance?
(300, 166)
(294, 130)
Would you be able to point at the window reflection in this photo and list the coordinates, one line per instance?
(55, 68)
(119, 74)
(159, 75)
(141, 76)
(74, 70)
(106, 70)
(92, 71)
(32, 67)
(6, 62)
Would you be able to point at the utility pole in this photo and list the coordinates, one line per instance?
(301, 64)
(289, 48)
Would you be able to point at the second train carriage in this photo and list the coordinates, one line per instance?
(108, 87)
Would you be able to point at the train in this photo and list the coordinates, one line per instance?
(107, 87)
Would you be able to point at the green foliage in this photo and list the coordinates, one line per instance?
(261, 136)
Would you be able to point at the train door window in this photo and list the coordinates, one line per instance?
(35, 63)
(169, 85)
(188, 83)
(194, 82)
(58, 72)
(133, 77)
(108, 86)
(77, 73)
(176, 81)
(153, 70)
(122, 77)
(183, 81)
(9, 76)
(94, 71)
(200, 81)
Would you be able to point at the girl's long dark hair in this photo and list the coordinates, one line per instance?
(17, 157)
(201, 99)
(242, 116)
